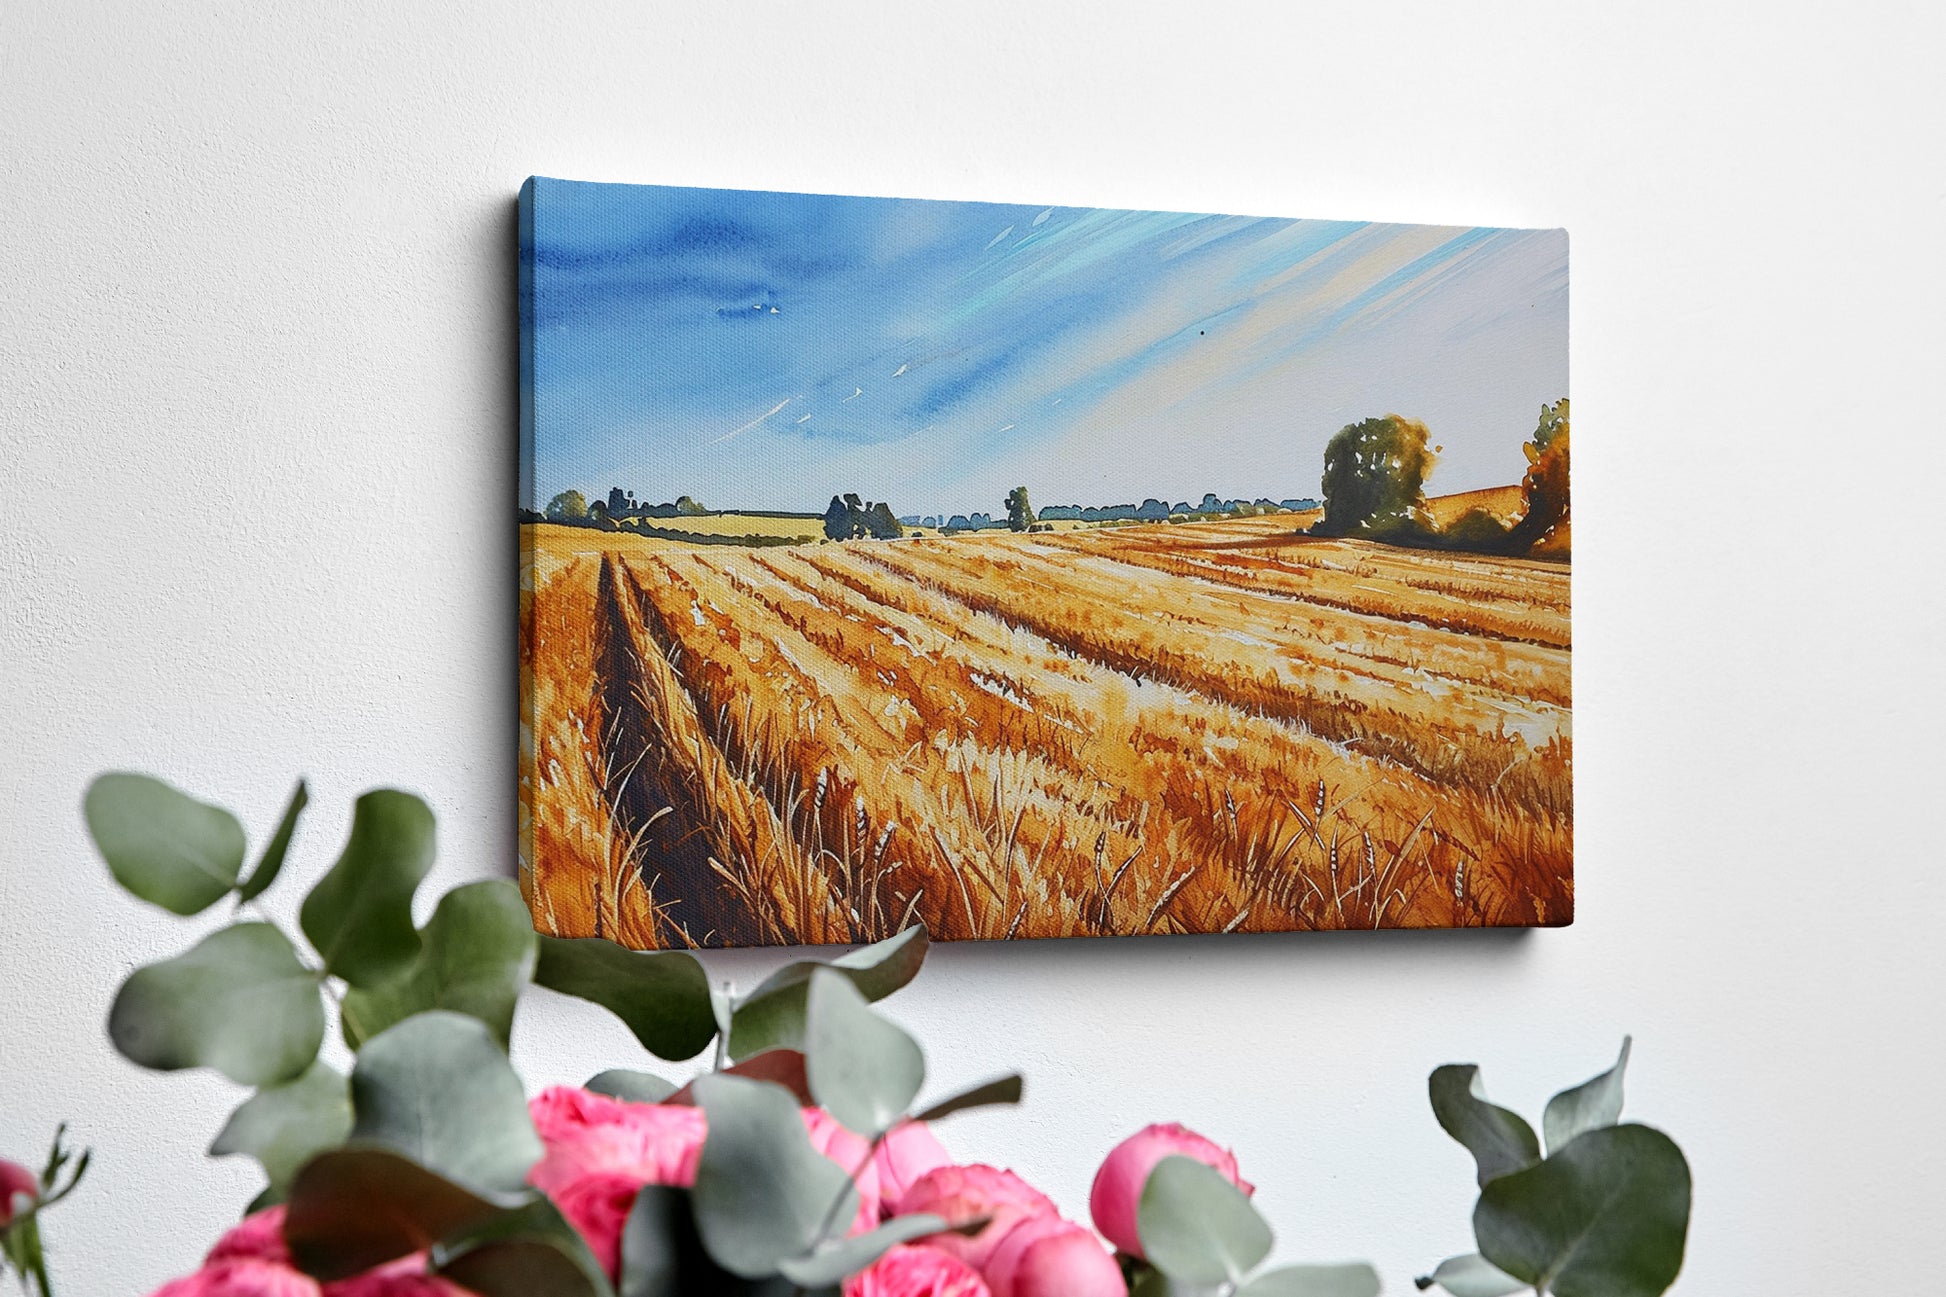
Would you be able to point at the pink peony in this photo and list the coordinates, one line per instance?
(916, 1271)
(597, 1205)
(586, 1132)
(1045, 1256)
(852, 1153)
(964, 1194)
(1117, 1194)
(907, 1152)
(405, 1277)
(16, 1182)
(258, 1237)
(242, 1277)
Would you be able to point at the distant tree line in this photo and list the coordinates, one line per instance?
(1374, 488)
(618, 512)
(575, 509)
(1150, 510)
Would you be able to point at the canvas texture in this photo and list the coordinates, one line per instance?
(1030, 571)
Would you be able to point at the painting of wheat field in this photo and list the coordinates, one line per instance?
(1031, 571)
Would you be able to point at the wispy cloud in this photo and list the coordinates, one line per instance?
(738, 432)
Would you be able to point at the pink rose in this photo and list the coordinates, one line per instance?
(16, 1182)
(1117, 1194)
(586, 1132)
(242, 1278)
(907, 1152)
(964, 1194)
(1045, 1256)
(597, 1205)
(852, 1154)
(916, 1271)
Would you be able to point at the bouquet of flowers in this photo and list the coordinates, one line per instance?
(801, 1161)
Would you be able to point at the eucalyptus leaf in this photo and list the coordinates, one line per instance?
(528, 1251)
(237, 1001)
(1196, 1226)
(863, 1070)
(1607, 1216)
(1588, 1106)
(1005, 1089)
(772, 1016)
(354, 1208)
(762, 1192)
(1472, 1276)
(663, 1255)
(847, 1256)
(1501, 1141)
(1150, 1282)
(162, 844)
(284, 1126)
(1351, 1280)
(475, 957)
(634, 1087)
(785, 1067)
(271, 863)
(437, 1089)
(661, 996)
(359, 916)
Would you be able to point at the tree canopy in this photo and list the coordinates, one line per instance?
(569, 506)
(1375, 478)
(1544, 491)
(1020, 513)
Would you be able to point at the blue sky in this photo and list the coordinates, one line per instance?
(765, 350)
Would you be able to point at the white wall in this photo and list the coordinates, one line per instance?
(256, 431)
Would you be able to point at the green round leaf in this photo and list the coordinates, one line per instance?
(773, 1015)
(359, 916)
(662, 996)
(1472, 1276)
(437, 1089)
(1198, 1228)
(163, 845)
(762, 1192)
(475, 957)
(528, 1251)
(1606, 1216)
(663, 1256)
(354, 1208)
(238, 1001)
(633, 1087)
(1588, 1106)
(862, 1069)
(284, 1126)
(1353, 1280)
(272, 862)
(1500, 1141)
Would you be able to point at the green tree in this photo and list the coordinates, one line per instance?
(1020, 513)
(881, 523)
(838, 519)
(1544, 491)
(569, 506)
(1375, 479)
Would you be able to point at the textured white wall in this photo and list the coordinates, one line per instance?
(256, 488)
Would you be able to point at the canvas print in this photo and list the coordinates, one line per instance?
(1034, 571)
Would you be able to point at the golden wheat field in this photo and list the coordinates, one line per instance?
(1205, 727)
